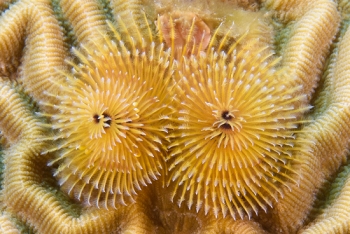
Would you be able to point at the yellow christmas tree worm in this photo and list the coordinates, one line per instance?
(303, 71)
(25, 192)
(234, 145)
(112, 121)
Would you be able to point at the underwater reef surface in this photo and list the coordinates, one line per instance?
(158, 116)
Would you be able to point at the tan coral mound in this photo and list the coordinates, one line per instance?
(285, 155)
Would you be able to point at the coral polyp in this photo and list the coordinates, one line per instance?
(111, 120)
(235, 145)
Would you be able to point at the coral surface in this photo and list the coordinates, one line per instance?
(159, 116)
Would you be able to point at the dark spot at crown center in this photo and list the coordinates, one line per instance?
(226, 126)
(96, 119)
(109, 121)
(226, 115)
